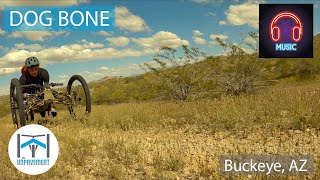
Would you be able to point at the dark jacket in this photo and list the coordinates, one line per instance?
(41, 79)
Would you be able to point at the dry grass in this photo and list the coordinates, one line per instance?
(168, 140)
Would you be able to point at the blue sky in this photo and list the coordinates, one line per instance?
(142, 26)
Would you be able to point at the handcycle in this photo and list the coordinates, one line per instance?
(43, 98)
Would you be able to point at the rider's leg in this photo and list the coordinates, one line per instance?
(43, 114)
(54, 112)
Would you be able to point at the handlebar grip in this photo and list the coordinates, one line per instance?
(56, 84)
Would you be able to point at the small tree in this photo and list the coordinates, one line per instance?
(176, 75)
(242, 71)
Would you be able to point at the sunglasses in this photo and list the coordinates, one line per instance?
(33, 67)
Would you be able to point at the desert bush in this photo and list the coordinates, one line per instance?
(244, 70)
(177, 76)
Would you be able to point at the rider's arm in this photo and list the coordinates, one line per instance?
(23, 81)
(45, 77)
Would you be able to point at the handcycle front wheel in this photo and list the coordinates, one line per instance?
(17, 105)
(78, 90)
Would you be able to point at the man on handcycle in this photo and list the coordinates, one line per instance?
(33, 74)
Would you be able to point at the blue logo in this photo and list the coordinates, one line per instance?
(33, 149)
(33, 144)
(59, 18)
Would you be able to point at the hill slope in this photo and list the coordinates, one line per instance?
(178, 139)
(145, 87)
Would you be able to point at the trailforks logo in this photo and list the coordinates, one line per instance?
(286, 30)
(33, 149)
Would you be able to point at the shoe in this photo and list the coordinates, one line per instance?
(54, 112)
(32, 117)
(43, 114)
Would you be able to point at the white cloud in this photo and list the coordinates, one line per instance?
(68, 54)
(2, 32)
(162, 38)
(130, 69)
(255, 1)
(207, 1)
(222, 23)
(85, 51)
(125, 20)
(250, 40)
(201, 1)
(14, 59)
(246, 13)
(214, 36)
(85, 45)
(63, 78)
(211, 14)
(220, 36)
(40, 3)
(103, 68)
(197, 33)
(32, 47)
(4, 48)
(248, 50)
(84, 41)
(37, 35)
(198, 40)
(118, 41)
(5, 71)
(104, 33)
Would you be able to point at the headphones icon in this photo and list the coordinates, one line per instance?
(275, 30)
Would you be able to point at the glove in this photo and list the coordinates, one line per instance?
(46, 85)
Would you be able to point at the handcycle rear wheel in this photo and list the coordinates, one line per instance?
(16, 102)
